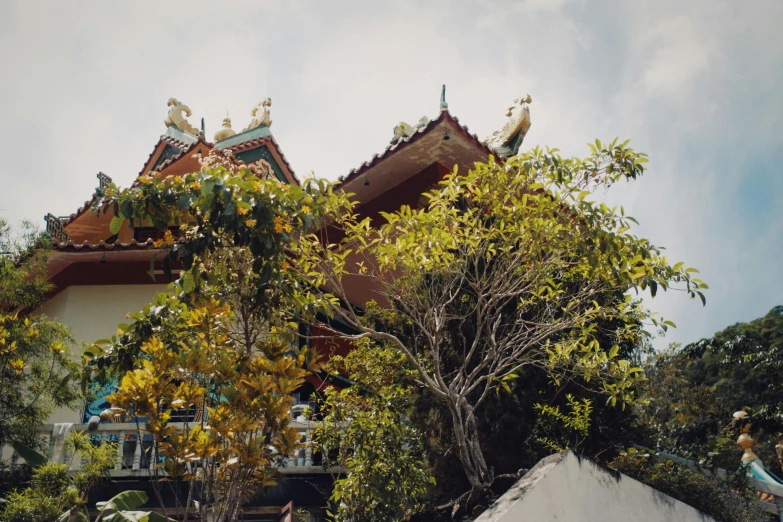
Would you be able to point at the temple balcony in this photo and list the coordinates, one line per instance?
(138, 460)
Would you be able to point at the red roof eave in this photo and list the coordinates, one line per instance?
(404, 142)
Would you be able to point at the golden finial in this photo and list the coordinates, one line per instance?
(226, 131)
(745, 441)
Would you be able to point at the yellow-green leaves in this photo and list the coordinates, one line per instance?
(230, 400)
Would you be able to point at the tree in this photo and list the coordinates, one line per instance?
(219, 351)
(233, 405)
(367, 434)
(745, 363)
(693, 390)
(508, 267)
(37, 373)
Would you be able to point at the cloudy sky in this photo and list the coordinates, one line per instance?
(694, 84)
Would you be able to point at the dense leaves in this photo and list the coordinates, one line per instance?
(693, 391)
(508, 267)
(56, 494)
(707, 493)
(36, 370)
(222, 206)
(366, 432)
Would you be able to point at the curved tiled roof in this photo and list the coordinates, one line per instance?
(405, 140)
(257, 142)
(70, 246)
(167, 139)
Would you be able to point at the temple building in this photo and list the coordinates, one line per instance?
(99, 277)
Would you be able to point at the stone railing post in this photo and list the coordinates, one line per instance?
(120, 449)
(153, 455)
(308, 460)
(137, 453)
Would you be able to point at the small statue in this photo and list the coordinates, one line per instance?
(93, 423)
(507, 140)
(745, 441)
(260, 114)
(176, 117)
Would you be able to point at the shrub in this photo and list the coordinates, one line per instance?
(709, 494)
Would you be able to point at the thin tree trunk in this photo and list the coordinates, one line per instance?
(468, 448)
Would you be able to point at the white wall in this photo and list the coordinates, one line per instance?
(93, 312)
(563, 488)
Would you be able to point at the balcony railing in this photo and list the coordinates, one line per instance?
(138, 457)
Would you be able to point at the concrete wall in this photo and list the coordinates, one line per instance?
(564, 488)
(93, 312)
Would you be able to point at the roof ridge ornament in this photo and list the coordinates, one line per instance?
(55, 229)
(103, 181)
(443, 105)
(404, 130)
(176, 117)
(260, 114)
(507, 140)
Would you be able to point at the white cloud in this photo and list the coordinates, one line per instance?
(675, 53)
(694, 84)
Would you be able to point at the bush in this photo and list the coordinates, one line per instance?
(708, 494)
(44, 501)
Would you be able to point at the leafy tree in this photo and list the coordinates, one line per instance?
(37, 373)
(219, 351)
(366, 432)
(692, 390)
(727, 497)
(47, 497)
(744, 363)
(242, 397)
(508, 267)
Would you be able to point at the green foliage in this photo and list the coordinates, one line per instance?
(53, 493)
(223, 205)
(29, 505)
(191, 363)
(36, 370)
(366, 432)
(222, 342)
(11, 477)
(301, 515)
(693, 391)
(575, 422)
(508, 267)
(23, 254)
(707, 493)
(121, 508)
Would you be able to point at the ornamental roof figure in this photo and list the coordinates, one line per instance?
(176, 117)
(260, 114)
(405, 130)
(507, 140)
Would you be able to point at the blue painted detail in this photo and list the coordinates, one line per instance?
(99, 391)
(757, 470)
(261, 131)
(252, 155)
